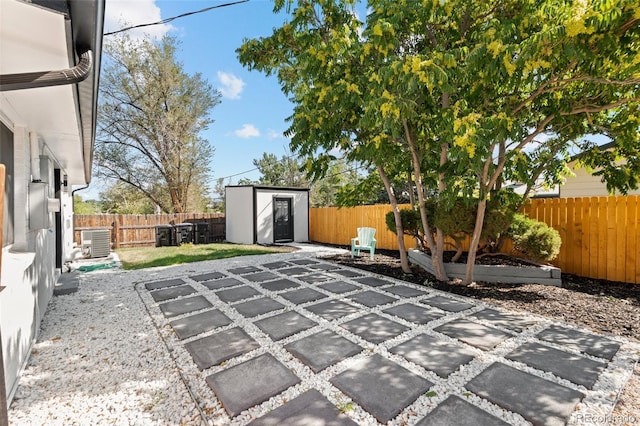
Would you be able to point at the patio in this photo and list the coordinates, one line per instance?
(290, 338)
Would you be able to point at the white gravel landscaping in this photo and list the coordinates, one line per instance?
(107, 355)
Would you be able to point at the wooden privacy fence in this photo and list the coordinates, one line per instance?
(600, 235)
(139, 230)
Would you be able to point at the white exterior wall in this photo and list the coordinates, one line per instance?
(584, 184)
(264, 214)
(239, 214)
(28, 265)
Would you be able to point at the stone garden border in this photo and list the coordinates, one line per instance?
(542, 274)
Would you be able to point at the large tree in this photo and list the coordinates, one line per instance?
(459, 92)
(151, 115)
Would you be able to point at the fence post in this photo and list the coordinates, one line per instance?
(116, 232)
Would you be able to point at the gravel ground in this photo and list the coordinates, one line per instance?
(603, 306)
(88, 368)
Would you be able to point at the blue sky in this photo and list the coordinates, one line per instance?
(250, 119)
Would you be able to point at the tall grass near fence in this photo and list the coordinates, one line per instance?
(600, 235)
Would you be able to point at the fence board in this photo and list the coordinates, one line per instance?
(140, 230)
(600, 235)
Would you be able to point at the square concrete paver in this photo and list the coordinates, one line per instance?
(324, 266)
(304, 262)
(303, 295)
(575, 368)
(581, 341)
(538, 400)
(199, 323)
(236, 294)
(404, 291)
(474, 334)
(332, 309)
(347, 273)
(244, 270)
(295, 271)
(276, 265)
(414, 313)
(322, 349)
(256, 307)
(456, 411)
(285, 325)
(172, 292)
(218, 347)
(315, 278)
(373, 281)
(261, 276)
(374, 328)
(222, 283)
(208, 277)
(339, 287)
(183, 306)
(251, 382)
(381, 387)
(309, 409)
(509, 321)
(280, 284)
(440, 356)
(165, 283)
(447, 304)
(372, 298)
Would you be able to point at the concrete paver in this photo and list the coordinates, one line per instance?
(237, 294)
(222, 283)
(374, 328)
(251, 382)
(309, 409)
(474, 334)
(380, 386)
(285, 324)
(322, 349)
(183, 306)
(257, 352)
(538, 400)
(221, 346)
(456, 411)
(579, 340)
(208, 276)
(575, 368)
(199, 323)
(440, 356)
(278, 285)
(172, 292)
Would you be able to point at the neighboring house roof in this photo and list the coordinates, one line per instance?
(266, 187)
(49, 35)
(603, 147)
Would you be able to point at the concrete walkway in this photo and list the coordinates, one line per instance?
(300, 340)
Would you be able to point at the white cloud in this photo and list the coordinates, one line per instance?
(125, 13)
(272, 134)
(231, 85)
(247, 131)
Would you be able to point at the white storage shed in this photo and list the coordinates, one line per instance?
(266, 214)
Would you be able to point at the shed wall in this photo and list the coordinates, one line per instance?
(239, 214)
(264, 214)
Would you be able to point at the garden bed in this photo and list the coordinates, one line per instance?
(523, 273)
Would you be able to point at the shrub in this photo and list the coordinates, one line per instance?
(411, 222)
(534, 239)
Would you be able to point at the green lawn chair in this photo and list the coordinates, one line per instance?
(364, 241)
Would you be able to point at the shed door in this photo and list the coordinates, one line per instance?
(282, 220)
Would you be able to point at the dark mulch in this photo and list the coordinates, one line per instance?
(603, 306)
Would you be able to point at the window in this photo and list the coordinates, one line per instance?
(6, 158)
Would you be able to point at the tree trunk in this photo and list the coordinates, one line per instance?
(404, 261)
(475, 240)
(436, 255)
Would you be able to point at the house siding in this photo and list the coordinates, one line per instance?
(584, 184)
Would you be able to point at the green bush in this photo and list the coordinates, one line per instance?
(534, 239)
(411, 222)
